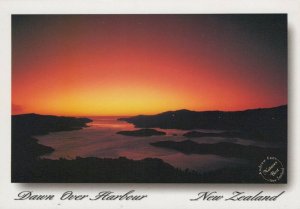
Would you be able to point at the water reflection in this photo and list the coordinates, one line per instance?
(100, 140)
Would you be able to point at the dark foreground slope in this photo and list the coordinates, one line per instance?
(268, 124)
(252, 154)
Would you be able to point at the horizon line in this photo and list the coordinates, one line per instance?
(130, 115)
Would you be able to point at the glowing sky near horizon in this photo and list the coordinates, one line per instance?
(146, 64)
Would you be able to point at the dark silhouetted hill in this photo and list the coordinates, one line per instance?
(262, 124)
(34, 124)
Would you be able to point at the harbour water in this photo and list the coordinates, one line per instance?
(101, 140)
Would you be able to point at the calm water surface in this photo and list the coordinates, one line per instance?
(100, 140)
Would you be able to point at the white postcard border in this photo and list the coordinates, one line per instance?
(159, 195)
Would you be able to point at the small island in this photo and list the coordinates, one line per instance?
(142, 132)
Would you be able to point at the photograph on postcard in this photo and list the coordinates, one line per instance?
(149, 98)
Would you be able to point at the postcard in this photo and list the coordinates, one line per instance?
(153, 98)
(197, 102)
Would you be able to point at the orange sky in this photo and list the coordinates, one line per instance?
(146, 64)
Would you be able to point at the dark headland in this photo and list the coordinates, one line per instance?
(268, 124)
